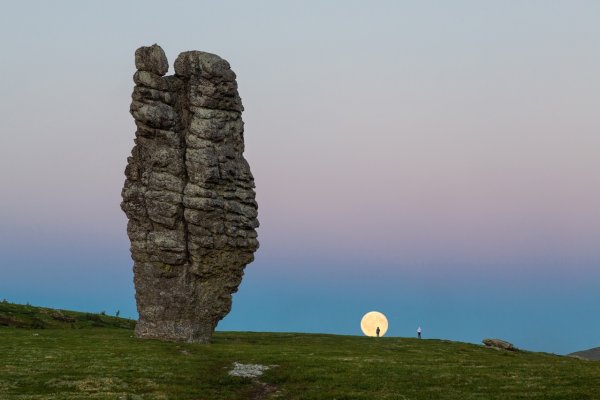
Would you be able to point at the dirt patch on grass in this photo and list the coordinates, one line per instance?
(262, 391)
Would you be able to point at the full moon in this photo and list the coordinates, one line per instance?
(373, 320)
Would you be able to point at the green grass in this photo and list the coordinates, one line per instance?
(26, 316)
(109, 363)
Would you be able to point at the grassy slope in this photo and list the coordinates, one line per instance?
(591, 354)
(108, 363)
(26, 316)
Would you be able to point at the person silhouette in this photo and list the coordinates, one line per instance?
(377, 331)
(419, 332)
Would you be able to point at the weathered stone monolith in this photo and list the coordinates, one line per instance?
(188, 194)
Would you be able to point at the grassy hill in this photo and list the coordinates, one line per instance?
(26, 316)
(90, 356)
(591, 354)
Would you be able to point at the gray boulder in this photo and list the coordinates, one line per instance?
(188, 195)
(499, 344)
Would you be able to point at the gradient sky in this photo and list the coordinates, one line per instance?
(436, 161)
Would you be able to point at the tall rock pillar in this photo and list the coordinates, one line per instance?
(188, 194)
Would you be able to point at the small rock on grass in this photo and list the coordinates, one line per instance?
(248, 370)
(499, 344)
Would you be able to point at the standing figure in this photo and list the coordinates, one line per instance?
(419, 332)
(377, 331)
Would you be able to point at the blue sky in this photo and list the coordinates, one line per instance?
(436, 161)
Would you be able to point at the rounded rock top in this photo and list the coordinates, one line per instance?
(151, 59)
(206, 65)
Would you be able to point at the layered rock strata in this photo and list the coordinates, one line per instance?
(188, 194)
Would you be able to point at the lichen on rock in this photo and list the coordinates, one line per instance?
(188, 194)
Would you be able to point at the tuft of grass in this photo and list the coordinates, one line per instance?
(109, 363)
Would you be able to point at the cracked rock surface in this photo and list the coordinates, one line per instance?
(188, 194)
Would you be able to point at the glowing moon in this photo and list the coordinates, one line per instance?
(371, 321)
